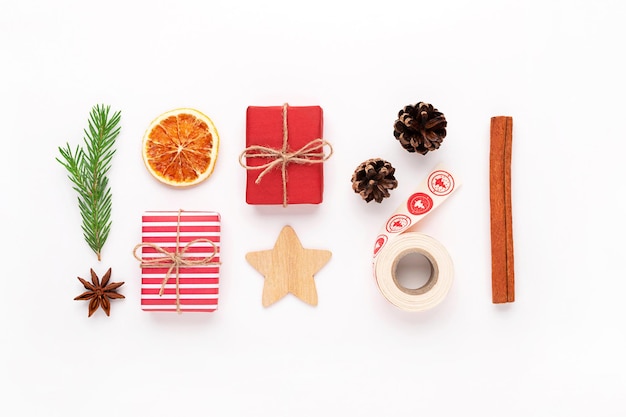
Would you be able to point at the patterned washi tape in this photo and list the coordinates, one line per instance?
(394, 242)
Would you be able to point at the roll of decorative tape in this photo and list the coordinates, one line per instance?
(394, 242)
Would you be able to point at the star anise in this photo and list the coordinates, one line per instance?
(99, 293)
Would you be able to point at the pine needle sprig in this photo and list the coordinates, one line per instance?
(87, 168)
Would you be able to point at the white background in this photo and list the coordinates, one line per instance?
(557, 67)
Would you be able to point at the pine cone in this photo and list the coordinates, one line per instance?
(420, 128)
(373, 179)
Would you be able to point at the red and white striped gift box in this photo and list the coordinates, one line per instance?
(198, 285)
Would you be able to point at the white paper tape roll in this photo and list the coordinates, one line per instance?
(394, 242)
(439, 283)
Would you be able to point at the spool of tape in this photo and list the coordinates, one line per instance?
(439, 283)
(394, 242)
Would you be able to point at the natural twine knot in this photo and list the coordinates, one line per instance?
(311, 153)
(174, 260)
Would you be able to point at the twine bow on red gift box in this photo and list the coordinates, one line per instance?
(310, 153)
(174, 260)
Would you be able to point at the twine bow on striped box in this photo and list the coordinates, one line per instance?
(179, 260)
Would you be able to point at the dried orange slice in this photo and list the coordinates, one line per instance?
(180, 147)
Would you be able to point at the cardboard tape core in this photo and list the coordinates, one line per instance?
(433, 274)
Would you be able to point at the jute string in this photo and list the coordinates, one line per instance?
(174, 260)
(311, 153)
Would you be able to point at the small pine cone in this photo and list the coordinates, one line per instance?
(420, 128)
(373, 179)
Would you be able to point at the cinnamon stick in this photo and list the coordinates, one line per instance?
(502, 259)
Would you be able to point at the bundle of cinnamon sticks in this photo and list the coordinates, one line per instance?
(502, 271)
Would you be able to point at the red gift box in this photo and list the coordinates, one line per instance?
(179, 261)
(302, 181)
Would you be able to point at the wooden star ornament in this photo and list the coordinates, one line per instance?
(288, 268)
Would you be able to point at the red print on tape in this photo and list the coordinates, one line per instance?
(380, 242)
(419, 203)
(398, 223)
(440, 183)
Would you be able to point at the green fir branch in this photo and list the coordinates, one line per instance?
(87, 168)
